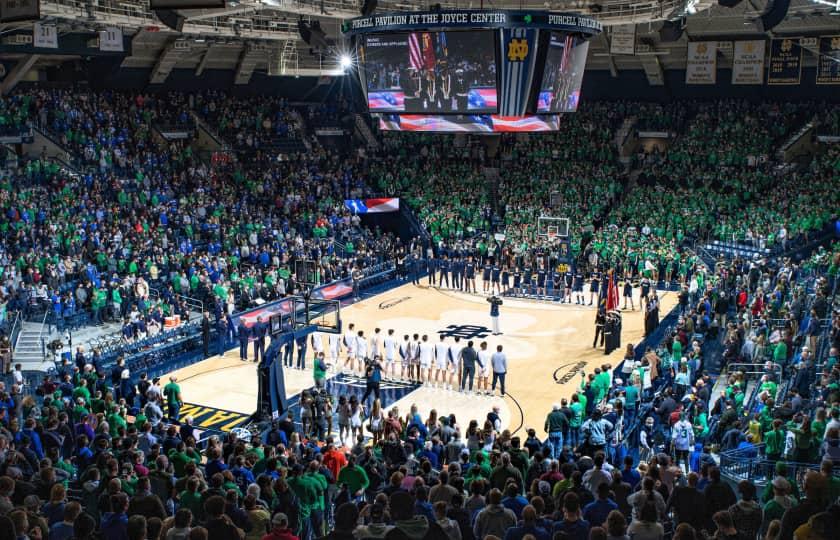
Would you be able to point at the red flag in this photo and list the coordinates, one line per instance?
(429, 59)
(612, 293)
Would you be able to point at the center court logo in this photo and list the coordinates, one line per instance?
(391, 303)
(465, 331)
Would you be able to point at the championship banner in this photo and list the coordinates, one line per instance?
(623, 39)
(748, 62)
(701, 65)
(44, 36)
(373, 206)
(518, 56)
(828, 64)
(19, 10)
(111, 40)
(785, 61)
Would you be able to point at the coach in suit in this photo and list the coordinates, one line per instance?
(260, 330)
(243, 333)
(468, 359)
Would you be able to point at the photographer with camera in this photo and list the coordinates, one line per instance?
(495, 302)
(373, 376)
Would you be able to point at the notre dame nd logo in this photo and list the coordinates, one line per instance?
(517, 50)
(465, 331)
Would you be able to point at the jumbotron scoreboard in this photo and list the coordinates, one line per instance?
(471, 70)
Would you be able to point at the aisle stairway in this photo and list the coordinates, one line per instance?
(28, 350)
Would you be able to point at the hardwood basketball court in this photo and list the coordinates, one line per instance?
(548, 346)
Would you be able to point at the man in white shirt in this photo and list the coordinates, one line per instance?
(389, 344)
(350, 343)
(484, 358)
(414, 364)
(317, 343)
(455, 362)
(441, 361)
(361, 351)
(405, 357)
(335, 349)
(375, 341)
(427, 351)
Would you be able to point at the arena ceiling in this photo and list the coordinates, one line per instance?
(262, 35)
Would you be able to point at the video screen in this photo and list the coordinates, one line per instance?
(563, 74)
(484, 123)
(431, 72)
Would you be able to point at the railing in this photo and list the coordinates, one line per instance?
(754, 368)
(193, 303)
(15, 328)
(741, 464)
(41, 338)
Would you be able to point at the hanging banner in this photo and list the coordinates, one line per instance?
(785, 61)
(44, 36)
(19, 10)
(701, 66)
(828, 64)
(748, 62)
(623, 39)
(111, 40)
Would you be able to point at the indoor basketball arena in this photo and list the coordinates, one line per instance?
(292, 270)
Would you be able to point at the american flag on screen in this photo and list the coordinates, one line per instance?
(521, 123)
(415, 54)
(482, 98)
(386, 100)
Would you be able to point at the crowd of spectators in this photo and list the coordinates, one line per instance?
(100, 455)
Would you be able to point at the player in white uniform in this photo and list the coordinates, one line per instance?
(484, 357)
(441, 361)
(375, 342)
(455, 362)
(317, 343)
(335, 349)
(414, 359)
(361, 351)
(350, 343)
(390, 346)
(405, 356)
(427, 351)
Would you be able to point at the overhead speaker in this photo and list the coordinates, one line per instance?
(728, 3)
(774, 14)
(671, 30)
(171, 19)
(313, 35)
(304, 31)
(368, 7)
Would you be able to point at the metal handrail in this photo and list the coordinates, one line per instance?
(15, 328)
(41, 335)
(753, 368)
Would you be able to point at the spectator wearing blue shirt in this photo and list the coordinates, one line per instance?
(513, 501)
(529, 526)
(597, 511)
(63, 530)
(572, 525)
